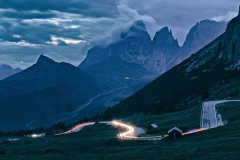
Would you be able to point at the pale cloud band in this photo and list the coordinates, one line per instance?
(226, 17)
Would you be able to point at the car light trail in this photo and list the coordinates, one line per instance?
(130, 133)
(130, 129)
(76, 128)
(194, 131)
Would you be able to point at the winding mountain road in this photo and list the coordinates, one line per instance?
(209, 119)
(131, 132)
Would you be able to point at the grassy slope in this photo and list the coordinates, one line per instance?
(230, 112)
(99, 142)
(186, 120)
(212, 144)
(190, 118)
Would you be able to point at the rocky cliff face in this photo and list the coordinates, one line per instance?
(201, 34)
(165, 47)
(135, 46)
(230, 45)
(224, 50)
(165, 42)
(157, 55)
(6, 71)
(125, 58)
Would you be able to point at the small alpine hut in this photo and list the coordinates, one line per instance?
(175, 133)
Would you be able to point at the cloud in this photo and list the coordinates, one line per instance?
(61, 43)
(13, 54)
(126, 16)
(181, 15)
(226, 17)
(93, 8)
(23, 43)
(56, 40)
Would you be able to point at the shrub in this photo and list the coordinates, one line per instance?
(3, 152)
(5, 141)
(52, 150)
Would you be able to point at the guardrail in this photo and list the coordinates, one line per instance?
(201, 119)
(141, 138)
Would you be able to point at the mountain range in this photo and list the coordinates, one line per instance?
(135, 60)
(49, 92)
(216, 63)
(6, 71)
(155, 56)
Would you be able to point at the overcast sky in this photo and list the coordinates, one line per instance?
(65, 29)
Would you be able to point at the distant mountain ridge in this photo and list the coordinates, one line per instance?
(45, 93)
(6, 71)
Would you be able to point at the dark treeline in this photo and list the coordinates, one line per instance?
(55, 128)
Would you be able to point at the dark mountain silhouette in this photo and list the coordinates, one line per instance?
(44, 93)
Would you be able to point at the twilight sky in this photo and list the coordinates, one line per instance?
(65, 29)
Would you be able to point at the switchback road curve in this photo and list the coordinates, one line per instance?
(209, 119)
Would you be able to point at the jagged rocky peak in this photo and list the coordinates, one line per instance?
(5, 66)
(8, 67)
(231, 43)
(136, 29)
(164, 40)
(223, 52)
(202, 33)
(44, 60)
(135, 46)
(7, 70)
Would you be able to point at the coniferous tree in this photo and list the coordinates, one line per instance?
(205, 95)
